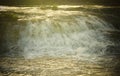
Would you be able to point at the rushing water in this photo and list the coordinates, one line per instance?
(79, 32)
(55, 32)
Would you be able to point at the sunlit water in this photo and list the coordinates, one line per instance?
(70, 40)
(60, 33)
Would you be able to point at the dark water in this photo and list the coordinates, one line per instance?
(90, 34)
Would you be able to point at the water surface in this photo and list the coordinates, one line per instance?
(71, 40)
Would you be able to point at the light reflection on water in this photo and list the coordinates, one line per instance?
(56, 66)
(53, 32)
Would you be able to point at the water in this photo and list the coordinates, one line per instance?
(83, 35)
(57, 32)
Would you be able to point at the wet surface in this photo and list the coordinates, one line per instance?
(96, 31)
(102, 66)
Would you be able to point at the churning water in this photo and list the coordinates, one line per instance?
(60, 41)
(56, 32)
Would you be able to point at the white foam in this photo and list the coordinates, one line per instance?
(64, 36)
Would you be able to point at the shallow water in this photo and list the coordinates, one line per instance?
(60, 40)
(45, 66)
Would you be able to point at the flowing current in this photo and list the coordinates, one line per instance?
(57, 33)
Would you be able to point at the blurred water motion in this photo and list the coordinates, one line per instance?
(59, 40)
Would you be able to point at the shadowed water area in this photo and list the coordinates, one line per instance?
(64, 40)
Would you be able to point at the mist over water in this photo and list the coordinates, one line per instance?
(69, 36)
(56, 32)
(63, 40)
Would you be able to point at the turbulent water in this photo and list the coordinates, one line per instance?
(57, 31)
(61, 40)
(67, 35)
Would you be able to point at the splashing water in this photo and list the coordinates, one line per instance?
(60, 33)
(64, 36)
(64, 41)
